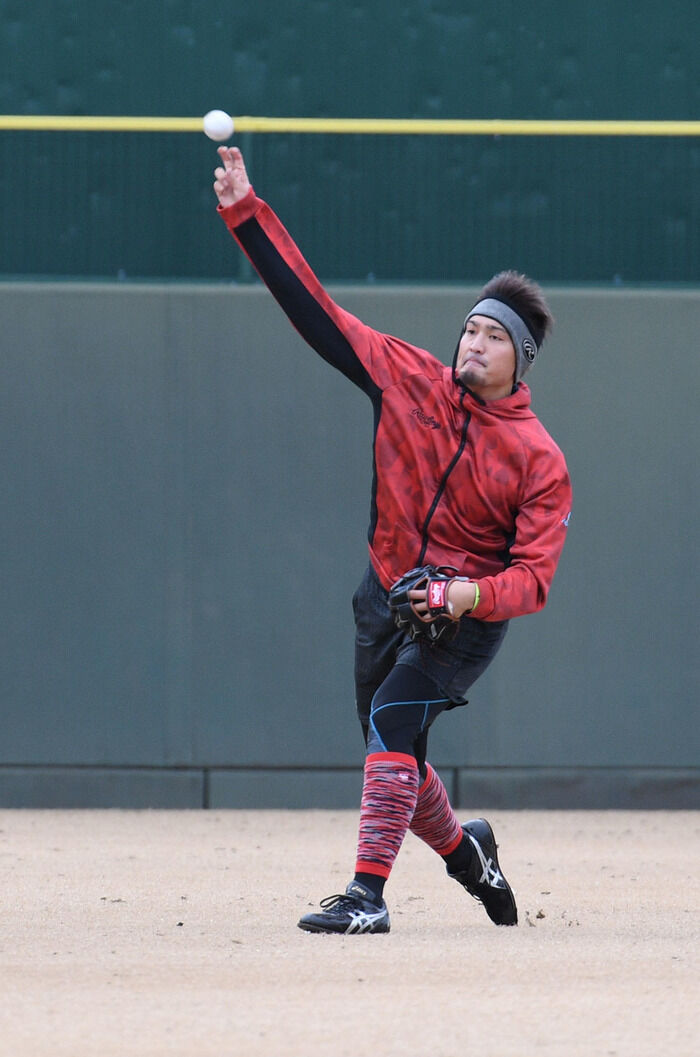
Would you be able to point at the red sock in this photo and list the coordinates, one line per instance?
(388, 802)
(434, 821)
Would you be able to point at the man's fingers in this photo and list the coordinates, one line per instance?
(230, 178)
(231, 157)
(225, 153)
(225, 176)
(419, 600)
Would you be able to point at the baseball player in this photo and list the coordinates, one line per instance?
(470, 504)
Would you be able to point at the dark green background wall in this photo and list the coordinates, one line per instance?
(185, 502)
(413, 208)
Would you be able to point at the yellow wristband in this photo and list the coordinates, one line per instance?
(477, 596)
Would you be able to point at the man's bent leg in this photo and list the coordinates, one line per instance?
(402, 708)
(402, 711)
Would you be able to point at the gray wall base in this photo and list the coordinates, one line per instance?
(272, 788)
(121, 787)
(474, 788)
(579, 788)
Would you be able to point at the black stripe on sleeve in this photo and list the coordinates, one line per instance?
(302, 309)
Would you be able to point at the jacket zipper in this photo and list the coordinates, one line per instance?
(443, 482)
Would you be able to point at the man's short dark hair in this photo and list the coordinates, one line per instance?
(525, 297)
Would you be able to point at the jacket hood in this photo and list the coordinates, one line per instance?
(515, 405)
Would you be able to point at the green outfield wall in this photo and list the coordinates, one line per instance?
(419, 208)
(186, 492)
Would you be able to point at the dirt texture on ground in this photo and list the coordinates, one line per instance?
(149, 933)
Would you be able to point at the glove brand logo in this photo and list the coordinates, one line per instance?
(437, 594)
(425, 420)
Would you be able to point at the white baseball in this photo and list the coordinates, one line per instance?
(218, 125)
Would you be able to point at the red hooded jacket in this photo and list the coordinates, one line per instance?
(479, 486)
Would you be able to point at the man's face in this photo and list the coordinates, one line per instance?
(486, 359)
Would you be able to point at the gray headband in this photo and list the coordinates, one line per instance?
(523, 341)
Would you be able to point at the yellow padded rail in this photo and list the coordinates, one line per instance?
(365, 126)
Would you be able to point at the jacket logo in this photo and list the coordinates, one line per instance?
(425, 420)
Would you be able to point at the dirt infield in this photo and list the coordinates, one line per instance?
(149, 933)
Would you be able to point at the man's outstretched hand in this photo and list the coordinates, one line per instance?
(231, 182)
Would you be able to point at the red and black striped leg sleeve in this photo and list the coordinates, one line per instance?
(434, 821)
(388, 802)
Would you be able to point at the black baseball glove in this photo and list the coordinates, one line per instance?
(433, 624)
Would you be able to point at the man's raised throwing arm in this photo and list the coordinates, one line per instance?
(368, 358)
